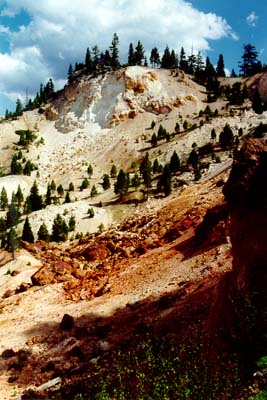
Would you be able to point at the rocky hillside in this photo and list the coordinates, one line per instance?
(137, 269)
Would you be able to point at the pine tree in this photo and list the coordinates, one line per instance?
(96, 56)
(71, 187)
(193, 159)
(183, 64)
(70, 73)
(90, 171)
(249, 58)
(67, 198)
(146, 171)
(121, 185)
(35, 199)
(106, 182)
(27, 234)
(177, 127)
(43, 233)
(93, 191)
(154, 139)
(3, 199)
(3, 231)
(131, 56)
(167, 180)
(165, 61)
(12, 215)
(174, 162)
(226, 137)
(154, 57)
(72, 223)
(85, 184)
(139, 54)
(53, 186)
(59, 229)
(12, 242)
(60, 190)
(19, 108)
(155, 167)
(19, 197)
(213, 134)
(220, 67)
(114, 50)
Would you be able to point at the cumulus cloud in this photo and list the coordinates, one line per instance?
(252, 19)
(60, 31)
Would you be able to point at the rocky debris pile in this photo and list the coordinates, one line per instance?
(84, 268)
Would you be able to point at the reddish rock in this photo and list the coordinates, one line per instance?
(96, 252)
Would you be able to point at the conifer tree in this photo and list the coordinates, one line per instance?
(90, 171)
(131, 56)
(43, 233)
(174, 162)
(12, 215)
(167, 180)
(70, 73)
(85, 184)
(220, 67)
(183, 64)
(155, 167)
(19, 196)
(121, 186)
(27, 234)
(53, 186)
(106, 182)
(226, 137)
(60, 190)
(93, 191)
(114, 50)
(72, 223)
(154, 139)
(3, 231)
(146, 171)
(67, 198)
(3, 199)
(139, 54)
(35, 199)
(154, 57)
(59, 229)
(71, 187)
(12, 241)
(48, 197)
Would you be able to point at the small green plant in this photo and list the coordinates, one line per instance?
(91, 212)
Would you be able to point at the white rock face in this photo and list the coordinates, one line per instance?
(107, 100)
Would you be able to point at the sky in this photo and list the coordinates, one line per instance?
(39, 39)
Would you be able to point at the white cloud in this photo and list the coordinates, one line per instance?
(252, 19)
(61, 30)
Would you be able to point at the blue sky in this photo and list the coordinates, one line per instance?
(39, 39)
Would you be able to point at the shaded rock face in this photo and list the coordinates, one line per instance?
(240, 312)
(260, 82)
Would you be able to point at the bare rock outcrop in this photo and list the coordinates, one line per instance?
(239, 315)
